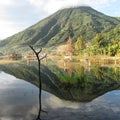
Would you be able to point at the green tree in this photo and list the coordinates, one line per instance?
(99, 41)
(113, 49)
(79, 44)
(70, 30)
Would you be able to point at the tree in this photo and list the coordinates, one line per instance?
(70, 30)
(113, 49)
(69, 47)
(39, 74)
(99, 41)
(79, 44)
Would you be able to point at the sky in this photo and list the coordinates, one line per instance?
(17, 15)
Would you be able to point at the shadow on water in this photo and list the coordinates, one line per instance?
(75, 85)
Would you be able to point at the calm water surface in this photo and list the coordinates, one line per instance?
(70, 93)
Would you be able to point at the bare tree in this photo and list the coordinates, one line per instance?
(37, 53)
(69, 48)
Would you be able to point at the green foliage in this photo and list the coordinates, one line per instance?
(79, 44)
(98, 40)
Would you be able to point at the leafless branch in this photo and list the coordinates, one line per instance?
(43, 57)
(33, 49)
(39, 51)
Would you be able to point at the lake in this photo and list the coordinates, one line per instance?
(70, 91)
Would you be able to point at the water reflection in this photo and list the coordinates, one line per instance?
(18, 99)
(102, 108)
(77, 89)
(71, 82)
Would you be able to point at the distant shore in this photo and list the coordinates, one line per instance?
(7, 61)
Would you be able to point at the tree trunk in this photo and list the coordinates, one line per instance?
(40, 82)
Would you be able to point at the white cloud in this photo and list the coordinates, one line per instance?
(37, 3)
(11, 20)
(4, 3)
(8, 28)
(3, 6)
(50, 6)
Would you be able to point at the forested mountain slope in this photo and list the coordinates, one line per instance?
(55, 29)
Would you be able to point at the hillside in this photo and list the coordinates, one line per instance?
(55, 29)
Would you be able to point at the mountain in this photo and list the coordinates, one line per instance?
(55, 29)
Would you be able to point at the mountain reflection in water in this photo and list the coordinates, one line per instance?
(18, 101)
(71, 82)
(77, 89)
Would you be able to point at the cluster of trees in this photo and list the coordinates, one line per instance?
(99, 45)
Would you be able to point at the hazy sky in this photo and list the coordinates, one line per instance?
(16, 15)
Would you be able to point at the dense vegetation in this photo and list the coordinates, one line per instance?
(73, 22)
(107, 43)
